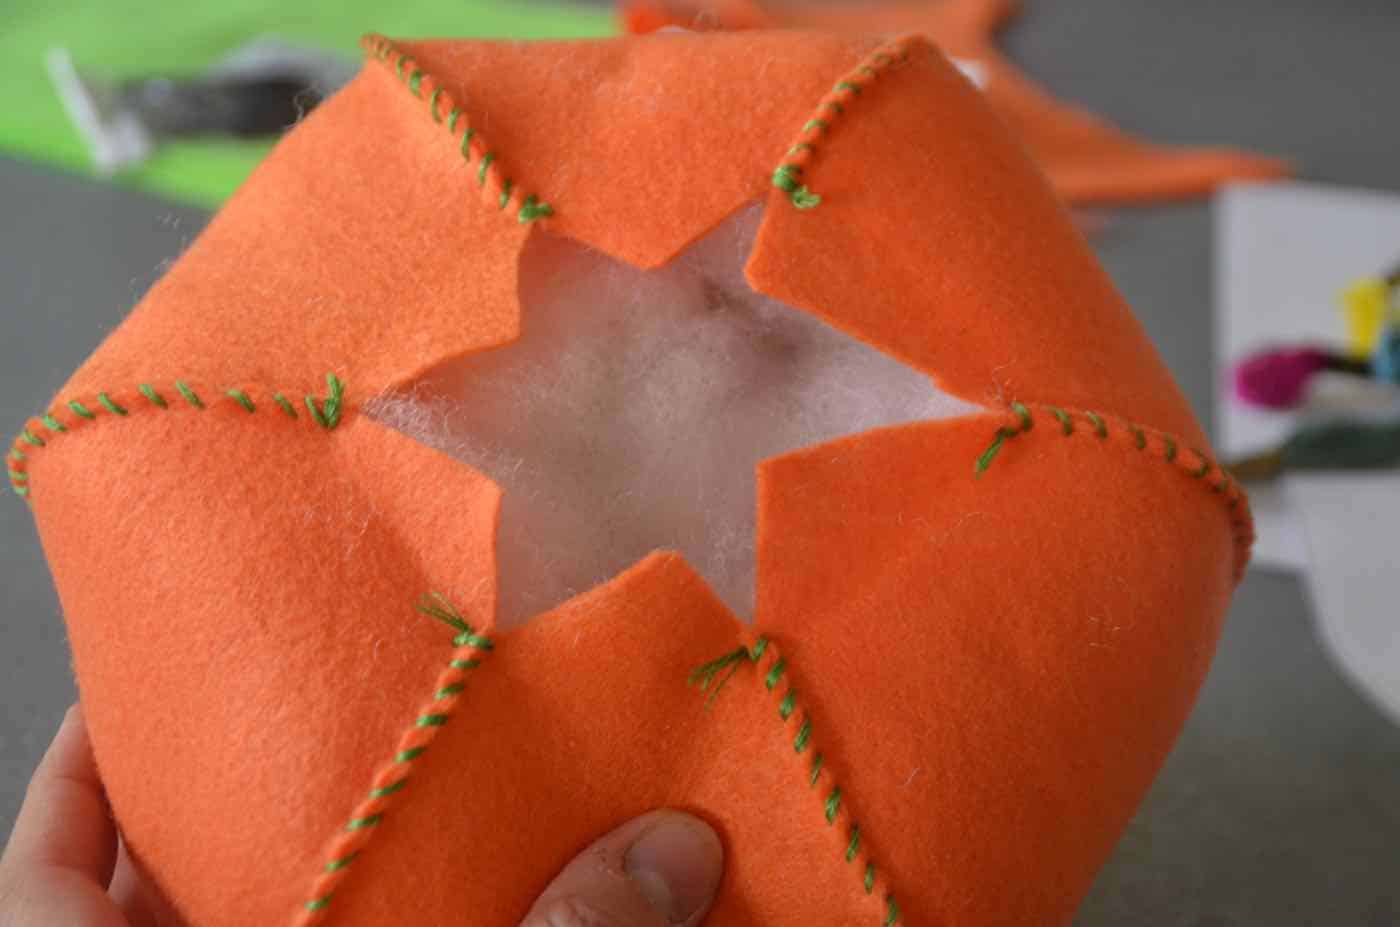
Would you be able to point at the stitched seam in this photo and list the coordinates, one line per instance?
(773, 672)
(1159, 445)
(471, 648)
(42, 430)
(788, 176)
(497, 189)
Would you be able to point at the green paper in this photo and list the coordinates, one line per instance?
(135, 38)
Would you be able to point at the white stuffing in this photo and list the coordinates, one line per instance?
(632, 412)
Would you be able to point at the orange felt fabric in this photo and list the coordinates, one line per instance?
(239, 595)
(643, 145)
(1008, 725)
(993, 668)
(358, 247)
(1088, 160)
(583, 718)
(1009, 300)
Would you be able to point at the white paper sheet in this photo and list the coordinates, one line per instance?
(1283, 254)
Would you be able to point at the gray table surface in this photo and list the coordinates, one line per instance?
(1281, 803)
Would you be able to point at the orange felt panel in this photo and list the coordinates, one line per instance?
(239, 592)
(357, 247)
(1001, 664)
(984, 283)
(580, 720)
(1087, 159)
(642, 145)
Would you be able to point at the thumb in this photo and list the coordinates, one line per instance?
(659, 870)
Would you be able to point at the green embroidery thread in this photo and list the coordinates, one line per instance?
(531, 209)
(189, 395)
(80, 410)
(1196, 464)
(240, 397)
(785, 179)
(327, 413)
(470, 646)
(1025, 423)
(711, 677)
(149, 392)
(786, 175)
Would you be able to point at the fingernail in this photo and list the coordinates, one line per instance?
(676, 864)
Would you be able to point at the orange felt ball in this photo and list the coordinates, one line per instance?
(974, 637)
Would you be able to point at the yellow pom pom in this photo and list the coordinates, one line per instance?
(1366, 304)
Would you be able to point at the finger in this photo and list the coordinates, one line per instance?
(127, 890)
(660, 870)
(65, 822)
(137, 896)
(44, 897)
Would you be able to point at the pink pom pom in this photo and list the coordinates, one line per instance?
(1278, 378)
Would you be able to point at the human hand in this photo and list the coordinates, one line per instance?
(660, 870)
(62, 854)
(63, 864)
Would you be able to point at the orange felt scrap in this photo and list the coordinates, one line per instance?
(1087, 160)
(956, 689)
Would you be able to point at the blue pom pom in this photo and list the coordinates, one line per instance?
(1386, 362)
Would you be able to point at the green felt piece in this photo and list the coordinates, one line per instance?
(143, 37)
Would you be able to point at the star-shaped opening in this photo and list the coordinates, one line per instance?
(631, 414)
